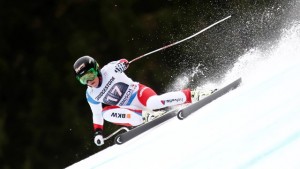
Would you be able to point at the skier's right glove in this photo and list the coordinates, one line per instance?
(121, 66)
(98, 138)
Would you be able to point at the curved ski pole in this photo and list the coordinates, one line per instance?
(114, 133)
(175, 43)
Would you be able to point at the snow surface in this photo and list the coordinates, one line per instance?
(256, 126)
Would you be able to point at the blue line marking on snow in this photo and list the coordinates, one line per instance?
(263, 155)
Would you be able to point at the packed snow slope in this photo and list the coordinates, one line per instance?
(256, 126)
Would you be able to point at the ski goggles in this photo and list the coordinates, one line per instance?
(87, 76)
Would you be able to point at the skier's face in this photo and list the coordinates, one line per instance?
(93, 83)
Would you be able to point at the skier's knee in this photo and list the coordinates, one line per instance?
(154, 103)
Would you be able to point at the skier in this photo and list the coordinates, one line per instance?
(126, 99)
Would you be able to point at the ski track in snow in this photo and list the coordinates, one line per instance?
(255, 126)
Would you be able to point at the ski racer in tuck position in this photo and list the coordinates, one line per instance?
(126, 99)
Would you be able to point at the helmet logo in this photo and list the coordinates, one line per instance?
(80, 67)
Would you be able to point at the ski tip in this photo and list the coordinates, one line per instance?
(239, 81)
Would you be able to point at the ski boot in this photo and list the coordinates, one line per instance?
(149, 115)
(200, 94)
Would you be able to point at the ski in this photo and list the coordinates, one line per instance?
(124, 137)
(181, 114)
(185, 112)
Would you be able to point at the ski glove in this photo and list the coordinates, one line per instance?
(98, 138)
(121, 66)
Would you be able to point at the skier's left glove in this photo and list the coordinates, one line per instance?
(98, 138)
(121, 66)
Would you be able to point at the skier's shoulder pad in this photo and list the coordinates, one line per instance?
(89, 97)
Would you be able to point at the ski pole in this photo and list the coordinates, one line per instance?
(122, 128)
(175, 43)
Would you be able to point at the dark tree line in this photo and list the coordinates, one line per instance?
(45, 121)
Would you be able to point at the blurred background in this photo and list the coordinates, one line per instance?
(45, 121)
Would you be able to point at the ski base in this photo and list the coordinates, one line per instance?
(124, 137)
(183, 113)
